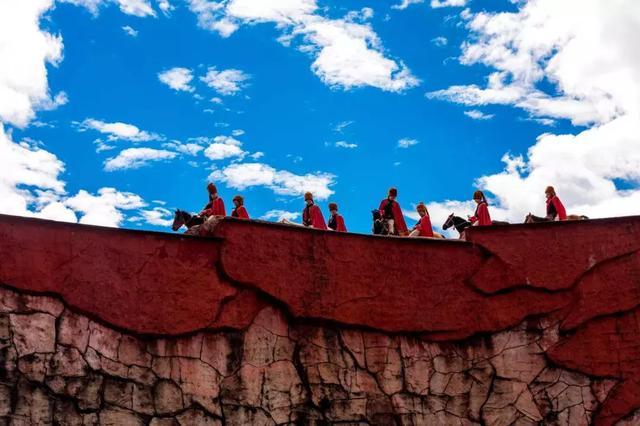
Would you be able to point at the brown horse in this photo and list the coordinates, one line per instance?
(183, 218)
(537, 219)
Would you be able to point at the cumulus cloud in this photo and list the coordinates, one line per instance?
(478, 115)
(225, 82)
(188, 148)
(343, 144)
(118, 130)
(434, 3)
(224, 147)
(283, 182)
(139, 8)
(347, 52)
(158, 216)
(407, 142)
(130, 31)
(25, 51)
(134, 158)
(105, 208)
(542, 42)
(278, 215)
(179, 79)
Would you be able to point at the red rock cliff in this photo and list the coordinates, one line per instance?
(271, 324)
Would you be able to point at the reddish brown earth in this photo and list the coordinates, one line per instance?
(568, 294)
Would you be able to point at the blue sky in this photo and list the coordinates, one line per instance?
(275, 118)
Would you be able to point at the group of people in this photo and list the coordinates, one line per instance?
(389, 211)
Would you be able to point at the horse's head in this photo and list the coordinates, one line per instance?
(376, 214)
(448, 223)
(178, 220)
(528, 218)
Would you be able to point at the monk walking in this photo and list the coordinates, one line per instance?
(336, 221)
(215, 207)
(239, 210)
(481, 216)
(423, 228)
(555, 208)
(311, 215)
(390, 211)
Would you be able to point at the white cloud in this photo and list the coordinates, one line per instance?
(237, 132)
(134, 158)
(586, 57)
(245, 175)
(343, 144)
(478, 115)
(440, 41)
(25, 50)
(130, 31)
(184, 148)
(257, 155)
(340, 127)
(278, 215)
(434, 3)
(158, 216)
(104, 209)
(177, 78)
(118, 131)
(224, 147)
(347, 53)
(225, 82)
(448, 3)
(407, 142)
(165, 7)
(139, 8)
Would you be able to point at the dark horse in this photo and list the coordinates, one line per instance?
(380, 225)
(184, 218)
(461, 224)
(537, 219)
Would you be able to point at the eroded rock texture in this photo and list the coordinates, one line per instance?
(270, 324)
(61, 367)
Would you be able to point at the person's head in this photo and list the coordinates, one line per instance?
(478, 197)
(308, 198)
(333, 208)
(393, 193)
(238, 200)
(421, 209)
(550, 192)
(213, 191)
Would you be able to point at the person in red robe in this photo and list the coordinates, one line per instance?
(239, 210)
(555, 208)
(215, 207)
(312, 215)
(390, 211)
(423, 228)
(336, 221)
(481, 217)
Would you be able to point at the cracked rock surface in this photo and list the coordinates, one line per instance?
(58, 366)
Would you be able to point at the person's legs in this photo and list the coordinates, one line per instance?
(390, 225)
(415, 233)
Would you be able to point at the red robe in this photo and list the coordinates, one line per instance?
(240, 213)
(482, 215)
(555, 203)
(337, 223)
(398, 219)
(424, 225)
(215, 208)
(312, 216)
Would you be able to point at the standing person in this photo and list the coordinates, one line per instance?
(336, 221)
(555, 208)
(215, 207)
(390, 211)
(423, 228)
(481, 217)
(311, 215)
(239, 210)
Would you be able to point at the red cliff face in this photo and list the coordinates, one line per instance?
(269, 324)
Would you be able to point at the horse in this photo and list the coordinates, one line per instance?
(381, 226)
(461, 224)
(530, 218)
(182, 217)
